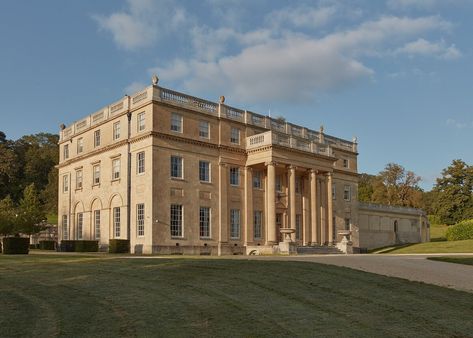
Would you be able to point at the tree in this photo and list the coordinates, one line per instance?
(393, 186)
(365, 187)
(30, 212)
(454, 201)
(7, 216)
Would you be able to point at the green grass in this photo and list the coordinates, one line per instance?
(51, 218)
(465, 246)
(438, 232)
(91, 296)
(457, 260)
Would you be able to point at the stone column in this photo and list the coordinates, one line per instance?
(248, 235)
(323, 216)
(313, 207)
(330, 208)
(292, 200)
(305, 215)
(222, 206)
(271, 207)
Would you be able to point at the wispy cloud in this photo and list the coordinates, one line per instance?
(459, 124)
(423, 47)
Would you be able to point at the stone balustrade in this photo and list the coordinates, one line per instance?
(288, 134)
(289, 141)
(390, 208)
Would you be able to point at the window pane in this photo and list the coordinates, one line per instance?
(257, 179)
(97, 138)
(116, 169)
(235, 223)
(234, 176)
(258, 215)
(140, 219)
(176, 166)
(141, 121)
(116, 130)
(176, 122)
(140, 162)
(80, 220)
(204, 129)
(235, 135)
(176, 220)
(204, 222)
(65, 232)
(116, 221)
(97, 223)
(204, 171)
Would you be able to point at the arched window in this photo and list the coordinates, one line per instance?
(395, 226)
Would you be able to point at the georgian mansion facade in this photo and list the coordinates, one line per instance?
(178, 174)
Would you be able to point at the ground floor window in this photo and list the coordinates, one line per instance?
(97, 223)
(176, 220)
(80, 224)
(140, 219)
(347, 224)
(234, 223)
(116, 221)
(204, 222)
(65, 232)
(258, 222)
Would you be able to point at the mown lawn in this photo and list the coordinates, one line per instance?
(102, 296)
(458, 260)
(465, 246)
(438, 232)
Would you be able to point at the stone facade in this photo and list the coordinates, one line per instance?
(178, 174)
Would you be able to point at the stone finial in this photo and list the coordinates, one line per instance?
(155, 80)
(321, 128)
(355, 139)
(222, 99)
(62, 126)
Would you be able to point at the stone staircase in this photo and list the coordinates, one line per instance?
(318, 250)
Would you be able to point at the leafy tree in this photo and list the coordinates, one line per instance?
(393, 186)
(454, 201)
(7, 216)
(49, 194)
(30, 212)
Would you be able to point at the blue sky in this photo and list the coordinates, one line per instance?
(397, 74)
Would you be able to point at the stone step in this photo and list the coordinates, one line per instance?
(318, 250)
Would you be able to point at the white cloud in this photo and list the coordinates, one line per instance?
(422, 4)
(292, 66)
(142, 23)
(426, 48)
(458, 124)
(303, 16)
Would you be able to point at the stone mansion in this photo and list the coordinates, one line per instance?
(178, 174)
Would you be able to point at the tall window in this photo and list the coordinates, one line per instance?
(140, 219)
(96, 174)
(116, 222)
(176, 167)
(298, 227)
(176, 220)
(235, 135)
(80, 145)
(204, 129)
(257, 224)
(65, 232)
(334, 191)
(80, 225)
(141, 121)
(140, 162)
(204, 171)
(79, 179)
(278, 183)
(97, 138)
(347, 193)
(298, 185)
(65, 183)
(116, 130)
(176, 122)
(204, 222)
(97, 223)
(345, 163)
(257, 180)
(116, 169)
(234, 176)
(234, 223)
(66, 151)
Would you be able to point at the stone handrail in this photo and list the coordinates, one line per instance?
(183, 99)
(395, 208)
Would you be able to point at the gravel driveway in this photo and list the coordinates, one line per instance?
(411, 267)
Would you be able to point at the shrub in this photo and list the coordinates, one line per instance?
(86, 246)
(15, 245)
(119, 246)
(460, 231)
(67, 246)
(47, 245)
(34, 246)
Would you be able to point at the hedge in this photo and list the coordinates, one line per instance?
(47, 245)
(460, 231)
(86, 246)
(15, 245)
(119, 246)
(67, 245)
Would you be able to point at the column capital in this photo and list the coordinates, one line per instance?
(223, 164)
(329, 174)
(313, 171)
(248, 168)
(292, 167)
(270, 163)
